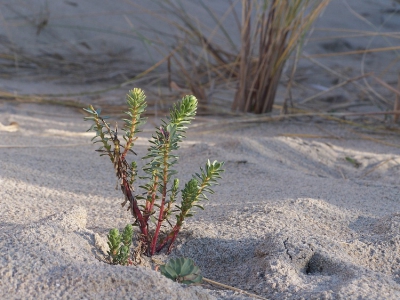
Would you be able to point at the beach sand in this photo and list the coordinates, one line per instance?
(291, 219)
(294, 216)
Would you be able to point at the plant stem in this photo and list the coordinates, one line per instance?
(164, 196)
(150, 204)
(134, 207)
(171, 237)
(157, 232)
(129, 142)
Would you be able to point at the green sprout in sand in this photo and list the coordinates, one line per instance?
(154, 208)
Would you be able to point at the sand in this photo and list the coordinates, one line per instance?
(291, 219)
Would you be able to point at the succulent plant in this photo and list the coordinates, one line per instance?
(182, 270)
(118, 253)
(127, 234)
(159, 200)
(114, 240)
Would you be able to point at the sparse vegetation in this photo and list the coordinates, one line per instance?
(270, 30)
(279, 28)
(153, 209)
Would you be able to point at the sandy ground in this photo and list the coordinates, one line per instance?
(292, 218)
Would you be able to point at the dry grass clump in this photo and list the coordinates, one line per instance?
(279, 27)
(236, 49)
(208, 55)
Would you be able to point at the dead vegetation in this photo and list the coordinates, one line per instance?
(242, 59)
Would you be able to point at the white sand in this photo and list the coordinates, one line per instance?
(284, 224)
(292, 219)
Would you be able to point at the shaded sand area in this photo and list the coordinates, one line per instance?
(292, 218)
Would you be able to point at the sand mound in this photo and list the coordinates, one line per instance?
(301, 248)
(55, 258)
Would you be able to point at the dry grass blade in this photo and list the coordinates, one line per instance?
(376, 167)
(397, 101)
(368, 138)
(232, 288)
(44, 146)
(205, 54)
(43, 99)
(306, 136)
(334, 87)
(245, 120)
(245, 56)
(59, 99)
(356, 52)
(198, 62)
(396, 92)
(396, 107)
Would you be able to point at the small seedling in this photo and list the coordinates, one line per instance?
(353, 161)
(153, 208)
(119, 254)
(182, 270)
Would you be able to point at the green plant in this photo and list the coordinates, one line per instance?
(118, 253)
(182, 270)
(153, 209)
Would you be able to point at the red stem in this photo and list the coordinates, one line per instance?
(164, 195)
(157, 232)
(135, 208)
(150, 204)
(174, 232)
(171, 237)
(173, 240)
(130, 141)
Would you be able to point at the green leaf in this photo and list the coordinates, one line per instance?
(164, 271)
(114, 240)
(187, 267)
(127, 235)
(170, 270)
(89, 110)
(89, 118)
(182, 270)
(123, 255)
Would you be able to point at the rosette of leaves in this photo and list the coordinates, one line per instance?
(119, 245)
(182, 270)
